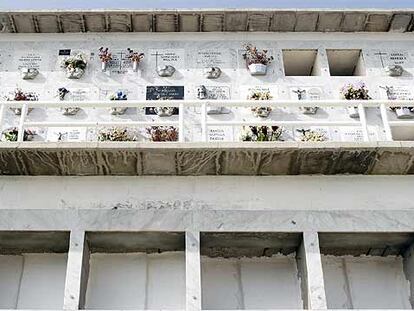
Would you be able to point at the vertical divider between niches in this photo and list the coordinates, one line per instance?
(310, 271)
(77, 271)
(192, 271)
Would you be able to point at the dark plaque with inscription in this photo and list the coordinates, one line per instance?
(163, 92)
(64, 52)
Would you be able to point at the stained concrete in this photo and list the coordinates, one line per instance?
(18, 242)
(148, 242)
(66, 159)
(187, 20)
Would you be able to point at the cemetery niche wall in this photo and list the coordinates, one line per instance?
(205, 67)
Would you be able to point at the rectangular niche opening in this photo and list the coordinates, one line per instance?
(368, 270)
(346, 62)
(248, 270)
(301, 63)
(33, 269)
(135, 270)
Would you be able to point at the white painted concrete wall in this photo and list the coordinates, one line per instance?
(209, 192)
(365, 282)
(250, 283)
(136, 281)
(32, 281)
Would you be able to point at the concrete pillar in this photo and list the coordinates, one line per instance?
(192, 271)
(310, 270)
(76, 272)
(322, 62)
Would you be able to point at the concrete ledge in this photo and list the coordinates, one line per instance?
(195, 159)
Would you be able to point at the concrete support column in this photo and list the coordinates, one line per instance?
(310, 267)
(322, 62)
(192, 271)
(76, 272)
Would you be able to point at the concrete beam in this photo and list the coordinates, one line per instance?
(76, 272)
(192, 271)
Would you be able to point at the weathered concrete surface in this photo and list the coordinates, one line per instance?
(187, 20)
(280, 158)
(18, 242)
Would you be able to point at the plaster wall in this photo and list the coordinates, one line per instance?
(250, 283)
(32, 281)
(136, 281)
(370, 282)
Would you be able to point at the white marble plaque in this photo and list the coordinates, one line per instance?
(220, 133)
(355, 134)
(30, 59)
(70, 134)
(306, 93)
(396, 92)
(120, 63)
(388, 58)
(173, 57)
(218, 92)
(246, 90)
(324, 130)
(214, 57)
(105, 93)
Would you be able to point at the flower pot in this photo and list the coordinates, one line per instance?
(103, 66)
(403, 113)
(135, 66)
(353, 112)
(257, 69)
(118, 110)
(212, 72)
(261, 112)
(18, 111)
(70, 111)
(218, 110)
(165, 71)
(394, 70)
(28, 73)
(74, 73)
(309, 110)
(164, 111)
